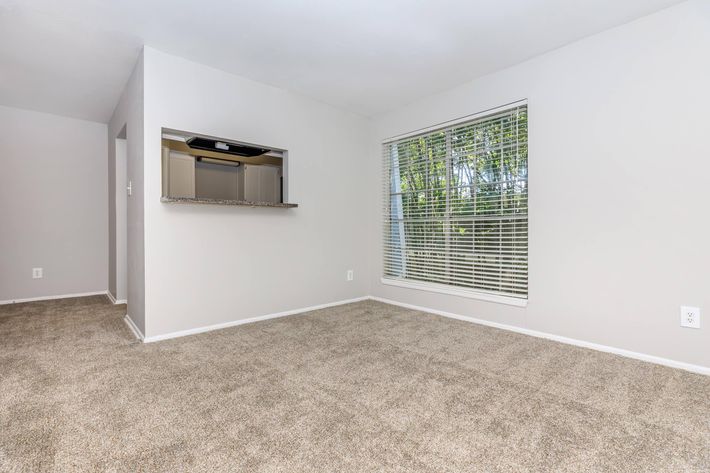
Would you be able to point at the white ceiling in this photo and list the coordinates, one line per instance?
(73, 57)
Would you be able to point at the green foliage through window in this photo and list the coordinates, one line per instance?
(457, 205)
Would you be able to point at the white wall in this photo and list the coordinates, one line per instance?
(53, 198)
(129, 115)
(619, 169)
(210, 264)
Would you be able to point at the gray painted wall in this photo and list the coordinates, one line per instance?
(208, 265)
(53, 198)
(129, 114)
(618, 186)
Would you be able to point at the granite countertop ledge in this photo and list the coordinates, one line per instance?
(243, 203)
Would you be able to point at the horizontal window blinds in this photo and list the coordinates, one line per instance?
(456, 206)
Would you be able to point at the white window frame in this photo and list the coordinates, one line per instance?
(470, 293)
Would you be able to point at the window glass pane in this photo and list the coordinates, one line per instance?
(457, 206)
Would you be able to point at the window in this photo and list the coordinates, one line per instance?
(456, 208)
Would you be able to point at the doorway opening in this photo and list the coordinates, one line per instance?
(118, 198)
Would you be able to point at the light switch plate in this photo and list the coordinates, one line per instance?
(36, 273)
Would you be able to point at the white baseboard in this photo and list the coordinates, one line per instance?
(115, 301)
(534, 333)
(134, 328)
(49, 298)
(557, 338)
(233, 323)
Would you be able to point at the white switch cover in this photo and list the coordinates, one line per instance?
(349, 276)
(690, 317)
(36, 273)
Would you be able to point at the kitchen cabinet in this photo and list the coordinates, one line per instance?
(259, 183)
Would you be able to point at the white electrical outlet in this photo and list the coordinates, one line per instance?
(36, 273)
(349, 275)
(690, 317)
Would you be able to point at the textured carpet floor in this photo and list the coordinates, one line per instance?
(363, 387)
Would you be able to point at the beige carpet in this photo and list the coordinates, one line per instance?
(364, 387)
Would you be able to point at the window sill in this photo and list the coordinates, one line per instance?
(243, 203)
(454, 291)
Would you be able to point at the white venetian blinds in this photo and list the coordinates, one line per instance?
(456, 205)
